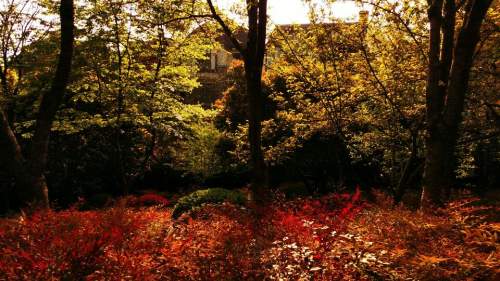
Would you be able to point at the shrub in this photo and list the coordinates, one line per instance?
(211, 195)
(151, 199)
(67, 245)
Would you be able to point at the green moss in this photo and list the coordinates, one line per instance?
(211, 195)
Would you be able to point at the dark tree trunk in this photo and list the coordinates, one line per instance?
(450, 62)
(28, 173)
(438, 170)
(254, 61)
(255, 103)
(253, 57)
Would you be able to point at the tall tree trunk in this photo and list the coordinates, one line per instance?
(438, 170)
(450, 62)
(253, 57)
(254, 62)
(11, 155)
(29, 173)
(255, 103)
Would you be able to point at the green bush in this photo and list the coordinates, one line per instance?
(211, 195)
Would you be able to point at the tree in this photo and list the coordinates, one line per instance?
(253, 57)
(363, 82)
(141, 77)
(19, 27)
(111, 129)
(137, 60)
(28, 168)
(451, 53)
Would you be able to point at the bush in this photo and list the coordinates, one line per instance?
(146, 200)
(329, 237)
(211, 195)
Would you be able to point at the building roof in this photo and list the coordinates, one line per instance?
(290, 29)
(240, 33)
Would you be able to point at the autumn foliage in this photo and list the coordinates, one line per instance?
(334, 237)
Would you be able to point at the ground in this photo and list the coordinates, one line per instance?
(334, 237)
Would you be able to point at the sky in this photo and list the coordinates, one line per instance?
(295, 11)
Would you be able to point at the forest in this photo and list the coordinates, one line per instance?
(234, 140)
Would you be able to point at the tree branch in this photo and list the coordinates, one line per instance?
(226, 29)
(52, 99)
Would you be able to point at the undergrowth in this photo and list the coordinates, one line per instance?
(335, 237)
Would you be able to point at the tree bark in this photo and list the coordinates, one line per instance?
(28, 173)
(254, 62)
(447, 86)
(253, 57)
(255, 103)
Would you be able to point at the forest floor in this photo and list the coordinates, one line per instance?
(335, 237)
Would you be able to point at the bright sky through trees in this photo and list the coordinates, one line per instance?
(296, 11)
